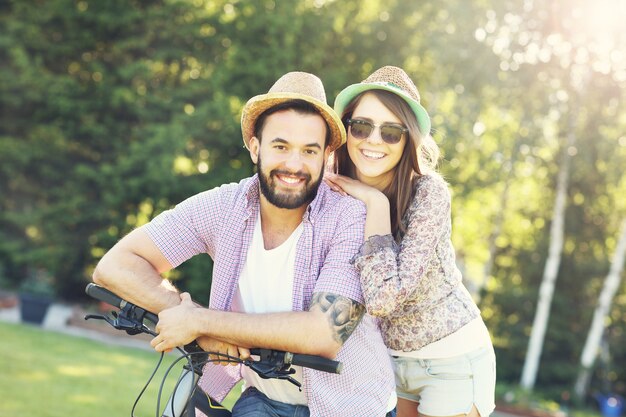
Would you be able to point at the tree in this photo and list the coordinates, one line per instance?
(557, 46)
(546, 291)
(592, 344)
(98, 117)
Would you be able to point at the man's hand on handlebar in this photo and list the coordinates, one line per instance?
(209, 344)
(176, 328)
(176, 325)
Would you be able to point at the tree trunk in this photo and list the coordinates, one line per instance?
(551, 269)
(611, 284)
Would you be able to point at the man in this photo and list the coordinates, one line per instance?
(281, 242)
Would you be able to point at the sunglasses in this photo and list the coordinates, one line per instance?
(390, 133)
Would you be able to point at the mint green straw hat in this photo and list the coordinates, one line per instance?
(391, 79)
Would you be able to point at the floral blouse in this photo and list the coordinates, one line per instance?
(415, 288)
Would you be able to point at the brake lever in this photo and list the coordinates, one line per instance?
(122, 321)
(100, 317)
(267, 371)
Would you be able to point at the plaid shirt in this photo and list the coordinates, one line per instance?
(221, 222)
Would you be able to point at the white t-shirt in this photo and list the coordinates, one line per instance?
(266, 286)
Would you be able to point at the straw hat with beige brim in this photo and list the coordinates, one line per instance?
(391, 79)
(293, 86)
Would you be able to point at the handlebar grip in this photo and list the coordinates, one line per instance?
(309, 361)
(102, 294)
(317, 362)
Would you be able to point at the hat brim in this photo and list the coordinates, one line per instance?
(350, 92)
(258, 104)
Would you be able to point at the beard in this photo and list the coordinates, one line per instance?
(287, 200)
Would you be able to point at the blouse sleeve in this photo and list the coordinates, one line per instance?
(390, 274)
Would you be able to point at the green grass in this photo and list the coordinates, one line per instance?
(47, 374)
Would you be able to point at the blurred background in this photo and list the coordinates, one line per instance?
(112, 111)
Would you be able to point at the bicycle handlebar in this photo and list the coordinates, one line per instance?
(102, 294)
(317, 362)
(310, 361)
(301, 359)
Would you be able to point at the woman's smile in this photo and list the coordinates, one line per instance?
(373, 155)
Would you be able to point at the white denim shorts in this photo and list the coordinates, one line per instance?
(450, 386)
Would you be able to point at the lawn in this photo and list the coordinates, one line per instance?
(47, 374)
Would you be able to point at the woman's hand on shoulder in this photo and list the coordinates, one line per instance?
(355, 188)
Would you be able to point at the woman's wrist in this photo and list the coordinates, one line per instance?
(378, 220)
(376, 200)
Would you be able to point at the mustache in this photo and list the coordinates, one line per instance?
(299, 174)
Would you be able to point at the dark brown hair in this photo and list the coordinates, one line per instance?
(419, 157)
(299, 106)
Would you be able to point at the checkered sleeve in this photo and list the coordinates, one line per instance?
(338, 275)
(191, 227)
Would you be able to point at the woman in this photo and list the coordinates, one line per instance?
(442, 353)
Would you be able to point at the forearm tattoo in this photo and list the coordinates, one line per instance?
(343, 313)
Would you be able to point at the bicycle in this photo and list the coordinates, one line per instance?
(187, 395)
